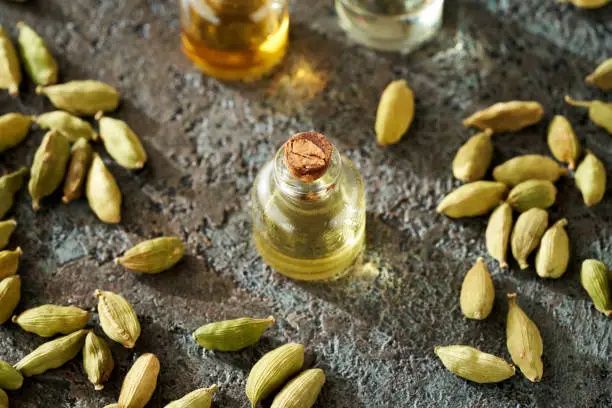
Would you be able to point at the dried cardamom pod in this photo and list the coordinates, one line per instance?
(9, 262)
(591, 179)
(472, 199)
(528, 167)
(532, 194)
(14, 128)
(4, 401)
(97, 360)
(48, 167)
(528, 231)
(498, 233)
(6, 230)
(10, 71)
(118, 318)
(553, 255)
(588, 4)
(102, 192)
(474, 365)
(563, 142)
(140, 382)
(273, 370)
(72, 127)
(10, 378)
(49, 320)
(507, 116)
(232, 335)
(121, 143)
(602, 76)
(37, 59)
(153, 256)
(395, 113)
(600, 112)
(477, 292)
(52, 354)
(9, 185)
(302, 391)
(10, 294)
(201, 398)
(524, 341)
(81, 156)
(82, 97)
(594, 279)
(474, 157)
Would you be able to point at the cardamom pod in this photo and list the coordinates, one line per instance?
(594, 279)
(474, 157)
(121, 143)
(118, 318)
(49, 320)
(97, 360)
(153, 256)
(10, 71)
(395, 113)
(14, 128)
(588, 4)
(4, 401)
(524, 341)
(591, 179)
(140, 382)
(201, 398)
(472, 199)
(272, 370)
(6, 230)
(477, 292)
(302, 391)
(102, 192)
(498, 233)
(10, 294)
(9, 262)
(82, 97)
(563, 142)
(507, 116)
(49, 166)
(528, 231)
(532, 194)
(52, 354)
(71, 127)
(112, 406)
(553, 255)
(602, 76)
(9, 185)
(528, 167)
(81, 156)
(37, 59)
(10, 378)
(474, 365)
(232, 335)
(600, 112)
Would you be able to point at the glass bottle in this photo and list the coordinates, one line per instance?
(235, 39)
(309, 210)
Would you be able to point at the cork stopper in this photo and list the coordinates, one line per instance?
(307, 155)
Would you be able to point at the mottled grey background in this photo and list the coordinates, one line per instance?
(373, 334)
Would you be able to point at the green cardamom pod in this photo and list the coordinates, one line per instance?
(273, 370)
(591, 179)
(563, 142)
(14, 128)
(477, 292)
(553, 255)
(524, 341)
(594, 279)
(474, 157)
(52, 354)
(4, 401)
(10, 378)
(507, 116)
(201, 398)
(81, 156)
(232, 335)
(602, 76)
(532, 194)
(6, 230)
(395, 113)
(121, 143)
(82, 97)
(9, 185)
(528, 230)
(498, 233)
(10, 71)
(102, 192)
(10, 294)
(49, 320)
(528, 167)
(118, 318)
(37, 59)
(472, 199)
(49, 166)
(140, 382)
(9, 262)
(600, 112)
(73, 128)
(302, 391)
(474, 365)
(153, 256)
(97, 360)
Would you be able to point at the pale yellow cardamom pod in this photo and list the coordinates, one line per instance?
(81, 156)
(602, 76)
(528, 167)
(474, 157)
(9, 185)
(102, 192)
(49, 320)
(4, 401)
(82, 97)
(532, 194)
(14, 128)
(37, 59)
(591, 179)
(10, 71)
(588, 4)
(153, 256)
(97, 360)
(507, 116)
(302, 391)
(395, 113)
(474, 365)
(594, 279)
(71, 127)
(48, 167)
(600, 112)
(121, 143)
(528, 230)
(10, 378)
(140, 382)
(498, 233)
(10, 294)
(524, 341)
(6, 230)
(118, 318)
(472, 199)
(477, 292)
(232, 335)
(563, 142)
(9, 262)
(553, 255)
(201, 398)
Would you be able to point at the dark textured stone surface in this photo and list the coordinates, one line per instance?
(373, 334)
